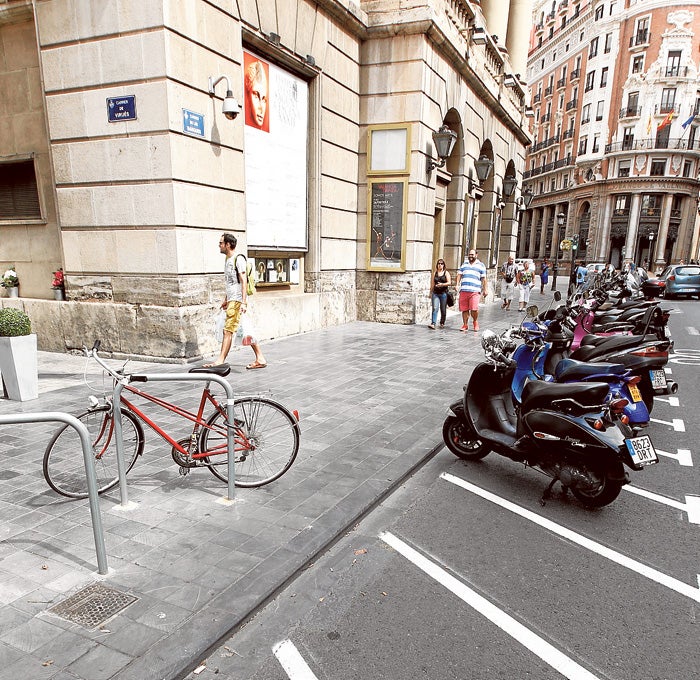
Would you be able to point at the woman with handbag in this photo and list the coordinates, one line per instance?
(441, 282)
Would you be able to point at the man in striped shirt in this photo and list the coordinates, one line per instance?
(472, 285)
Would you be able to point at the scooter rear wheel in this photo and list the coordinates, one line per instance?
(606, 492)
(461, 440)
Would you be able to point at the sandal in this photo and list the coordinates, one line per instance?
(255, 364)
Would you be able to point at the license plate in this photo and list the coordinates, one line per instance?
(642, 450)
(634, 391)
(658, 378)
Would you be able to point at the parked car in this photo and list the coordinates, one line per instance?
(596, 267)
(674, 281)
(521, 260)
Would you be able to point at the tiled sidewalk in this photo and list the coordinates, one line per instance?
(371, 398)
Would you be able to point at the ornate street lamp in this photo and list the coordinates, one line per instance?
(561, 220)
(652, 236)
(444, 140)
(509, 184)
(483, 168)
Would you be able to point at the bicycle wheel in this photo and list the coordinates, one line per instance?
(266, 442)
(64, 468)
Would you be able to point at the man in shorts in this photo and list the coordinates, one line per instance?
(472, 286)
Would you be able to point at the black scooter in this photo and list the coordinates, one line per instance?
(567, 431)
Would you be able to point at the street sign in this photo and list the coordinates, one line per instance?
(121, 108)
(192, 123)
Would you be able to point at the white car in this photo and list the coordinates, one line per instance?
(596, 267)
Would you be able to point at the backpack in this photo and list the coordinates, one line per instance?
(249, 275)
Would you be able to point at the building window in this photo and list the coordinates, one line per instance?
(623, 169)
(627, 138)
(622, 202)
(642, 33)
(608, 43)
(599, 12)
(668, 99)
(596, 144)
(565, 182)
(673, 63)
(582, 146)
(553, 185)
(687, 168)
(593, 50)
(599, 110)
(19, 195)
(638, 64)
(590, 80)
(604, 77)
(658, 167)
(585, 113)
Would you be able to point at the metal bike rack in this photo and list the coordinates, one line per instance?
(90, 475)
(142, 377)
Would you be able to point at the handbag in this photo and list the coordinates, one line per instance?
(450, 299)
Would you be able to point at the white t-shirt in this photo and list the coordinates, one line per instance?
(233, 286)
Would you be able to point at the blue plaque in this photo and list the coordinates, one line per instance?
(121, 108)
(192, 123)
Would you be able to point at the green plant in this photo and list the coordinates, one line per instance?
(10, 278)
(14, 322)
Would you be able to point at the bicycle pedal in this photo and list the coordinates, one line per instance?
(184, 471)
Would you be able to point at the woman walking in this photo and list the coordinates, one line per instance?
(525, 279)
(441, 281)
(544, 274)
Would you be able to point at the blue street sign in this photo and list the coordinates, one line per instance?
(192, 123)
(121, 108)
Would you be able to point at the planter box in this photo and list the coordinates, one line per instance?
(19, 367)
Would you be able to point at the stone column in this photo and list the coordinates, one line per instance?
(660, 243)
(635, 208)
(518, 38)
(603, 232)
(496, 15)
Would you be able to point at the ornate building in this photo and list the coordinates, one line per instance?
(122, 159)
(616, 147)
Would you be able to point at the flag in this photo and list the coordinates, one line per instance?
(688, 122)
(666, 120)
(649, 125)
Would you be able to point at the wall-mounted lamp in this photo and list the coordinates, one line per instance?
(230, 107)
(523, 201)
(479, 36)
(483, 168)
(510, 80)
(444, 140)
(509, 184)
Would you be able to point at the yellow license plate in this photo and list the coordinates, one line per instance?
(634, 391)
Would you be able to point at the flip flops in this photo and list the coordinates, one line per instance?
(256, 364)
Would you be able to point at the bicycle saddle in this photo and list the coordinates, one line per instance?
(222, 369)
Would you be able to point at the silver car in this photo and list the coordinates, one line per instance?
(681, 279)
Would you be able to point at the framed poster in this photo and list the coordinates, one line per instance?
(388, 150)
(387, 224)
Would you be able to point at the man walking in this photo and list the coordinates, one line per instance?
(236, 301)
(472, 285)
(507, 282)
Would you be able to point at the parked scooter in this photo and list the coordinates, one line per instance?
(567, 431)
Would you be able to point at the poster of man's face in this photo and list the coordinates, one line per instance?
(256, 84)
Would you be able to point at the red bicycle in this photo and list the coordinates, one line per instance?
(266, 436)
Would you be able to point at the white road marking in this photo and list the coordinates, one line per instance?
(668, 370)
(673, 401)
(692, 331)
(293, 663)
(598, 548)
(677, 424)
(684, 457)
(530, 640)
(691, 505)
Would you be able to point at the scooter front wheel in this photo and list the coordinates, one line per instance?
(461, 440)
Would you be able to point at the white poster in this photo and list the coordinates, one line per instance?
(276, 128)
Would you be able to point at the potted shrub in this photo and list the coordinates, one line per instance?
(10, 282)
(59, 285)
(18, 356)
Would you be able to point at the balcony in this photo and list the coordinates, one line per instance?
(561, 83)
(575, 75)
(630, 111)
(585, 120)
(571, 104)
(550, 17)
(546, 118)
(539, 28)
(568, 134)
(666, 107)
(563, 5)
(548, 91)
(676, 71)
(652, 143)
(537, 98)
(640, 38)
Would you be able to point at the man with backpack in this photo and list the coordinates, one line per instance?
(236, 301)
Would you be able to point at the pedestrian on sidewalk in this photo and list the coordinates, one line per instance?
(472, 286)
(544, 274)
(441, 282)
(507, 275)
(235, 301)
(526, 281)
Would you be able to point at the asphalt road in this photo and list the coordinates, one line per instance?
(463, 574)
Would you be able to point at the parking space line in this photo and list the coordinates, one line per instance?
(530, 640)
(598, 548)
(692, 330)
(684, 457)
(293, 663)
(677, 424)
(673, 401)
(691, 505)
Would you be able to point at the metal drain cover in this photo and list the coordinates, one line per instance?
(93, 605)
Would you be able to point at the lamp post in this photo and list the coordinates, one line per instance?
(561, 219)
(652, 236)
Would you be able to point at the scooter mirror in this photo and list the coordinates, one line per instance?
(488, 339)
(532, 311)
(557, 296)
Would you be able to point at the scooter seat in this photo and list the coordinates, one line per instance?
(570, 369)
(612, 343)
(540, 394)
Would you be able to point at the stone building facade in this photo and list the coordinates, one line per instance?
(616, 147)
(118, 165)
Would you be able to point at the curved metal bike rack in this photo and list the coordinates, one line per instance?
(90, 476)
(186, 377)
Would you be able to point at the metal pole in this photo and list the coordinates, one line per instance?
(556, 260)
(90, 476)
(186, 377)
